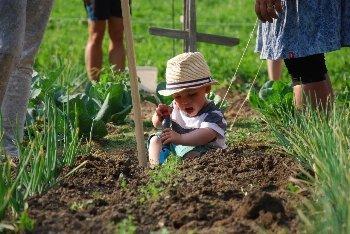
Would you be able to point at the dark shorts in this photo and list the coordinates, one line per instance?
(307, 69)
(103, 9)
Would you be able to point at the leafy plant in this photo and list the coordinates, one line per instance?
(273, 99)
(80, 205)
(159, 176)
(106, 101)
(320, 141)
(103, 102)
(126, 226)
(25, 223)
(41, 87)
(48, 152)
(123, 183)
(293, 188)
(40, 160)
(218, 101)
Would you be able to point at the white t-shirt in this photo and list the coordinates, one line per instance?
(209, 116)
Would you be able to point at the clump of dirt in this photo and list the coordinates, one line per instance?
(240, 190)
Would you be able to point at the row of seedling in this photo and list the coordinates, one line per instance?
(50, 145)
(320, 140)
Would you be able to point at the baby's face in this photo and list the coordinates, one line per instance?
(191, 101)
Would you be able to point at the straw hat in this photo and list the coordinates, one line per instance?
(186, 71)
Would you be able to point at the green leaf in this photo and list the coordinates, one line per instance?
(105, 111)
(119, 118)
(34, 93)
(266, 90)
(116, 93)
(278, 86)
(99, 129)
(254, 100)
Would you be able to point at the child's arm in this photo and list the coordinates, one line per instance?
(158, 116)
(200, 136)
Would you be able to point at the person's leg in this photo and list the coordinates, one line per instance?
(320, 94)
(12, 27)
(116, 45)
(310, 80)
(274, 69)
(14, 106)
(93, 50)
(155, 146)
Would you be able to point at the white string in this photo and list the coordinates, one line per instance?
(239, 63)
(247, 97)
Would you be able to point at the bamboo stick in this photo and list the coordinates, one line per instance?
(141, 149)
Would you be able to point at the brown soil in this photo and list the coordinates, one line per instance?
(240, 190)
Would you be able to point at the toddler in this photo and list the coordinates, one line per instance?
(197, 125)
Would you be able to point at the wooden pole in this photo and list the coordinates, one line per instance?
(141, 149)
(192, 30)
(185, 26)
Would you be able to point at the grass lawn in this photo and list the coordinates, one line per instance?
(62, 51)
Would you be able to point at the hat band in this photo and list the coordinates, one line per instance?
(188, 84)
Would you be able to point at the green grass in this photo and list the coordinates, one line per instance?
(321, 143)
(250, 129)
(40, 161)
(126, 226)
(62, 51)
(158, 178)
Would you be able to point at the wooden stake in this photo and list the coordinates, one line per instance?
(141, 149)
(189, 31)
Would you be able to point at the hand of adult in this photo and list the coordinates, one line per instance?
(267, 10)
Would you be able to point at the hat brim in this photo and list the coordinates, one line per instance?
(169, 92)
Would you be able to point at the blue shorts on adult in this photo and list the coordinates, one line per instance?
(103, 9)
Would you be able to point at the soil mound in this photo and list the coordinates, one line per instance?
(240, 190)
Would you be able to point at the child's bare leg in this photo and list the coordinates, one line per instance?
(155, 146)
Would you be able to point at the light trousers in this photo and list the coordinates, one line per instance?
(22, 25)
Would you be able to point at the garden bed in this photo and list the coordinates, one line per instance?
(240, 190)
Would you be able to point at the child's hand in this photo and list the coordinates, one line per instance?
(163, 110)
(169, 136)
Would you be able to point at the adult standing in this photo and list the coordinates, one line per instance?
(22, 25)
(103, 13)
(300, 32)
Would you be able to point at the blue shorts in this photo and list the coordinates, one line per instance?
(103, 9)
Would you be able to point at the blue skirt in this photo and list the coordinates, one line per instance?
(305, 27)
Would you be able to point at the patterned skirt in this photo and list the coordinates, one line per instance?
(305, 27)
